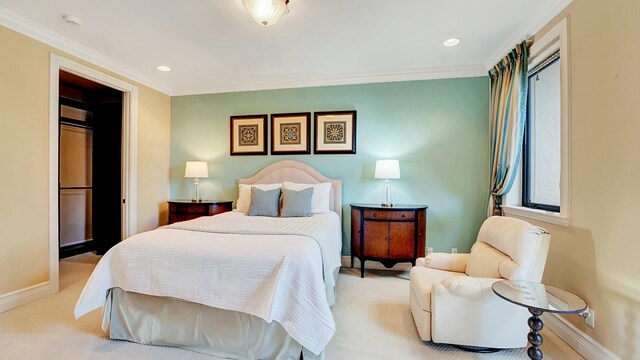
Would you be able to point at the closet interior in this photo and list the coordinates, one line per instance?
(90, 166)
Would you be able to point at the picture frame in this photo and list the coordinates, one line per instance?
(290, 133)
(248, 135)
(335, 132)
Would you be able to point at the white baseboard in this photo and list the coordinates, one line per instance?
(374, 265)
(24, 296)
(584, 344)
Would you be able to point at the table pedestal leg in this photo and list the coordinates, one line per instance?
(534, 337)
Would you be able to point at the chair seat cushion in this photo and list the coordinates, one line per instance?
(421, 279)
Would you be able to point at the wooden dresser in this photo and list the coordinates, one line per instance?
(181, 210)
(387, 234)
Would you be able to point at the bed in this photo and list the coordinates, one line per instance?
(230, 285)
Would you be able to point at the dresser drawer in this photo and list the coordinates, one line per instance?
(188, 209)
(182, 210)
(195, 209)
(389, 215)
(173, 208)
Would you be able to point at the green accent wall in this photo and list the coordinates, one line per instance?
(438, 129)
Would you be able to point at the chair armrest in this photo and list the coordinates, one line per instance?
(447, 262)
(469, 287)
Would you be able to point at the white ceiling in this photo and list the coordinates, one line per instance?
(215, 46)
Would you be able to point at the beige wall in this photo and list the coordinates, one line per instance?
(24, 159)
(153, 159)
(598, 256)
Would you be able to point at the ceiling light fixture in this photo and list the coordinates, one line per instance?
(163, 68)
(451, 42)
(266, 12)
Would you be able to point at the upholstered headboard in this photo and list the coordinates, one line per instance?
(295, 171)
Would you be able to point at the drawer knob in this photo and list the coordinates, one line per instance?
(404, 215)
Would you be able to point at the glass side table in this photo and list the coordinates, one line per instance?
(538, 298)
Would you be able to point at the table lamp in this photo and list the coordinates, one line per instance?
(196, 170)
(387, 169)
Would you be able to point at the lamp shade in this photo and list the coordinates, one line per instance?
(266, 12)
(196, 169)
(387, 169)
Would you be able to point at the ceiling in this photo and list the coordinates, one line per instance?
(215, 46)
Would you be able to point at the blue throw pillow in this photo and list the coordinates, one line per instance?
(296, 203)
(264, 202)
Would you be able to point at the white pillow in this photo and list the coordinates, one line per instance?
(244, 194)
(321, 198)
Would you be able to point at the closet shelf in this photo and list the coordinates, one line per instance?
(76, 187)
(74, 123)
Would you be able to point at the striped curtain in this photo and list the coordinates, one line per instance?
(508, 109)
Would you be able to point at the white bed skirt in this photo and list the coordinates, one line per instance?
(155, 320)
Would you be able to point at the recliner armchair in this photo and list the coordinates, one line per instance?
(451, 297)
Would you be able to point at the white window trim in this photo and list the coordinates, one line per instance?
(556, 38)
(535, 214)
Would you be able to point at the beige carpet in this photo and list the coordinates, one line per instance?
(372, 317)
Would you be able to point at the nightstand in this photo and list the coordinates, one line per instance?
(181, 210)
(388, 234)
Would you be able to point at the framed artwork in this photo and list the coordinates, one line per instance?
(249, 135)
(335, 132)
(290, 134)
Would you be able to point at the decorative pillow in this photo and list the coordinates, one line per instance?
(321, 195)
(296, 203)
(244, 194)
(264, 202)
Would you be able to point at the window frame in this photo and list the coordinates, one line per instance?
(526, 151)
(555, 39)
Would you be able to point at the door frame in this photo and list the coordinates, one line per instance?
(129, 152)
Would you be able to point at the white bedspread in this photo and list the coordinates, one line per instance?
(273, 269)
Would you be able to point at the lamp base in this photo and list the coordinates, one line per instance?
(196, 183)
(387, 194)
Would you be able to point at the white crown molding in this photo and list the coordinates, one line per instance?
(378, 77)
(29, 28)
(584, 344)
(529, 29)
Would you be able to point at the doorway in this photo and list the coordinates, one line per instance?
(128, 159)
(89, 166)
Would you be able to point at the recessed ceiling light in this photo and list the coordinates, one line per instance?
(451, 42)
(163, 68)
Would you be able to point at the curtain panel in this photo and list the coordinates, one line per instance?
(508, 110)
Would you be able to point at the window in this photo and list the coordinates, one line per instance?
(542, 147)
(542, 191)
